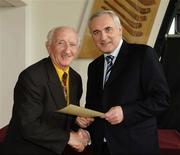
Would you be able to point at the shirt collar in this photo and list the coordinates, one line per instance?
(60, 71)
(116, 51)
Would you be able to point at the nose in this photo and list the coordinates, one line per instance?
(67, 48)
(103, 36)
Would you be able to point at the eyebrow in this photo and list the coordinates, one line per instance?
(95, 31)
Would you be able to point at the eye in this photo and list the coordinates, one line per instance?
(72, 44)
(60, 42)
(108, 29)
(95, 33)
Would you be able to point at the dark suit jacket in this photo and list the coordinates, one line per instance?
(136, 83)
(36, 127)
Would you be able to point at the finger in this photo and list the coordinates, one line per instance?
(83, 123)
(82, 119)
(109, 116)
(90, 119)
(79, 148)
(102, 116)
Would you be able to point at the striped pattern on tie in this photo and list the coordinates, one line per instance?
(64, 84)
(109, 60)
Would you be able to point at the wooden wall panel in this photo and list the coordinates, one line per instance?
(137, 17)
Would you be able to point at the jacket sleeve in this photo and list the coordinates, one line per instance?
(154, 88)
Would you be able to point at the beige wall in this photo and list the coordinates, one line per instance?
(12, 56)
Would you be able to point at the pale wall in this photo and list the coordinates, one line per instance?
(12, 53)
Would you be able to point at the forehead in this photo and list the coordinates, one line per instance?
(65, 34)
(102, 22)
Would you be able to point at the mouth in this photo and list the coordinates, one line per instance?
(105, 44)
(65, 56)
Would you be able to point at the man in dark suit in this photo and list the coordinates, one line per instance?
(36, 127)
(128, 85)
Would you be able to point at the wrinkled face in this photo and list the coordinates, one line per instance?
(64, 47)
(105, 33)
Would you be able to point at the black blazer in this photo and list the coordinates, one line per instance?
(35, 126)
(136, 83)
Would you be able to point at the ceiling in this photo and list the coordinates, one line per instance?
(11, 3)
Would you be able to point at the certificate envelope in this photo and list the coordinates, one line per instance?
(80, 111)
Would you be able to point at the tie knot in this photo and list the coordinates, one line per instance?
(109, 58)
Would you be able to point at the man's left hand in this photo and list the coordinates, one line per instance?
(114, 115)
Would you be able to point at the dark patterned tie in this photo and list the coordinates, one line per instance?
(109, 60)
(64, 84)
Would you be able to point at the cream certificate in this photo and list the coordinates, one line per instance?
(80, 111)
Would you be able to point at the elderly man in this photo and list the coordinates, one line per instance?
(46, 86)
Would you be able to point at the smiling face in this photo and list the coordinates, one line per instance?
(105, 33)
(63, 46)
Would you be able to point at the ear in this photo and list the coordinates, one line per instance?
(120, 30)
(47, 47)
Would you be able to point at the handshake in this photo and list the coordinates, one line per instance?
(80, 139)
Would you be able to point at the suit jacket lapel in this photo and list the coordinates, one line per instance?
(72, 87)
(55, 86)
(100, 72)
(120, 63)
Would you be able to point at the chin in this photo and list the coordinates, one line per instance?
(67, 63)
(107, 52)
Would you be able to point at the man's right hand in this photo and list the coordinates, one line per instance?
(79, 140)
(84, 122)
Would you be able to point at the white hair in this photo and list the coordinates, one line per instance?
(107, 12)
(50, 34)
